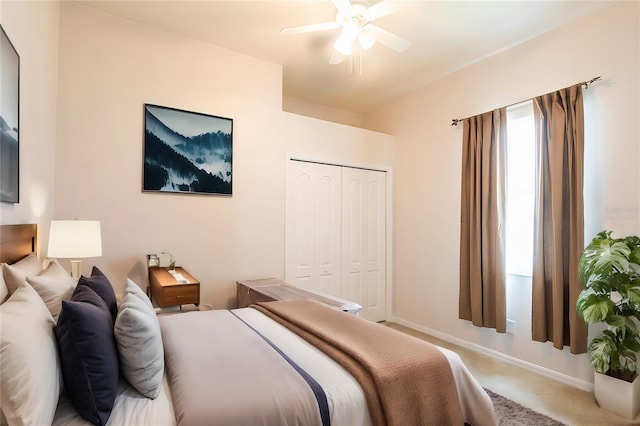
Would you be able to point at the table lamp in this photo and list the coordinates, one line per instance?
(74, 239)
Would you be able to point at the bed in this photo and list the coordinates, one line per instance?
(271, 364)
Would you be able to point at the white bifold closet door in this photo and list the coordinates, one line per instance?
(335, 233)
(313, 226)
(363, 275)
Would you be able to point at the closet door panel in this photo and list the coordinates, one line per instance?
(305, 223)
(313, 240)
(363, 235)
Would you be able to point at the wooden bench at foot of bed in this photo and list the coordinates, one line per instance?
(271, 289)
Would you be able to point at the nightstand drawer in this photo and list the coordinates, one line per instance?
(181, 294)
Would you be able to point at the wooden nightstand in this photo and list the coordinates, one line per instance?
(166, 291)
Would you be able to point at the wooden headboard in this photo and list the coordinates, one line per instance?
(17, 241)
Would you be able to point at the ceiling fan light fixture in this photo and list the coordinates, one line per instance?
(343, 46)
(356, 23)
(350, 31)
(349, 34)
(366, 39)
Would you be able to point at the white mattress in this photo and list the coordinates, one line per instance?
(346, 399)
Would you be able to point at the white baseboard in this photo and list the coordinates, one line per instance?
(563, 378)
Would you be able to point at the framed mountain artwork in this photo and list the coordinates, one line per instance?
(9, 121)
(187, 152)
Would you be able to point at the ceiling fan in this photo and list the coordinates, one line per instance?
(356, 23)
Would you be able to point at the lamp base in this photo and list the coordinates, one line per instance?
(75, 269)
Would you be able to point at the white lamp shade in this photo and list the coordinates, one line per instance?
(74, 239)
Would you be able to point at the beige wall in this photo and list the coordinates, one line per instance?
(38, 52)
(323, 112)
(428, 157)
(110, 67)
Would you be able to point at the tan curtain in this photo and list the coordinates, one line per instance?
(482, 225)
(558, 223)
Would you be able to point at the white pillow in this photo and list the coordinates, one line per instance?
(134, 289)
(4, 291)
(16, 274)
(30, 376)
(53, 285)
(139, 342)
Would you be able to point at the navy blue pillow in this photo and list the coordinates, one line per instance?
(88, 355)
(99, 283)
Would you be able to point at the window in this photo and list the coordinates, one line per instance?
(520, 189)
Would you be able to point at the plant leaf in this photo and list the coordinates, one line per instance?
(600, 283)
(631, 326)
(600, 350)
(634, 244)
(597, 308)
(603, 255)
(583, 301)
(614, 257)
(622, 325)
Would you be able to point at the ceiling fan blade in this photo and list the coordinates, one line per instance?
(343, 6)
(384, 8)
(310, 28)
(389, 39)
(336, 57)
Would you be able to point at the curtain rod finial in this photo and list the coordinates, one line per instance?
(593, 80)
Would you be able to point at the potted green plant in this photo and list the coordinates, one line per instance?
(609, 269)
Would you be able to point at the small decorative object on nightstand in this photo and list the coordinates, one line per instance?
(172, 260)
(173, 287)
(152, 260)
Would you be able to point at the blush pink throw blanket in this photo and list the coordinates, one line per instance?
(406, 381)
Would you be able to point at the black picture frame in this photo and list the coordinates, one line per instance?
(187, 152)
(9, 120)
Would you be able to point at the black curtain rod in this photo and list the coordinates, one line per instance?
(455, 121)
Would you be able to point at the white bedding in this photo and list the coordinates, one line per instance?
(130, 408)
(345, 397)
(346, 400)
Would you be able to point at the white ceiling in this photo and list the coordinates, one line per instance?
(444, 36)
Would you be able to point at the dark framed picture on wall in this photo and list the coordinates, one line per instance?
(187, 152)
(9, 120)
